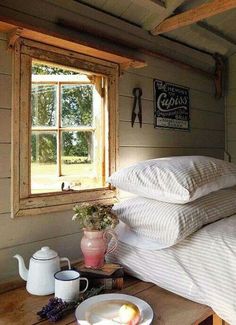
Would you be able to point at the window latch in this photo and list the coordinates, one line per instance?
(103, 92)
(65, 186)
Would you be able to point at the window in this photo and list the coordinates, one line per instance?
(64, 128)
(68, 125)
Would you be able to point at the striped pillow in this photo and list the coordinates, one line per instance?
(175, 179)
(170, 223)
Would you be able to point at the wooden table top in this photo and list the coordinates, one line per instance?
(17, 306)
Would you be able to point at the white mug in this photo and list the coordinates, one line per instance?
(67, 285)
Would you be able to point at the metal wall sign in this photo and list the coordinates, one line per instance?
(171, 105)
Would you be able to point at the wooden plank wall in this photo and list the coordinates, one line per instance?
(24, 235)
(206, 136)
(231, 109)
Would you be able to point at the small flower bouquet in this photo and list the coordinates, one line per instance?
(95, 216)
(97, 222)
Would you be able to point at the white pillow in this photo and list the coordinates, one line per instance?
(175, 179)
(170, 223)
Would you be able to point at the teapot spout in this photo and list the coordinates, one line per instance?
(22, 269)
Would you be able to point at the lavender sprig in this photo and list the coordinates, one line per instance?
(52, 303)
(60, 311)
(56, 308)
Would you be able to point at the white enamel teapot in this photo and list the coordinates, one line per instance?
(42, 267)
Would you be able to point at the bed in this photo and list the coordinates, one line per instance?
(181, 228)
(201, 268)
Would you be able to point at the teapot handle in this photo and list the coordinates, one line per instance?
(67, 260)
(114, 236)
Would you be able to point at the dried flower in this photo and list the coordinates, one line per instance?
(95, 217)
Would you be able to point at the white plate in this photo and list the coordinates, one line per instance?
(103, 309)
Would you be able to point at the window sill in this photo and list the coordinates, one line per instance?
(61, 201)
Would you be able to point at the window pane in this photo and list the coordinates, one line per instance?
(77, 105)
(48, 69)
(81, 155)
(43, 162)
(78, 165)
(43, 102)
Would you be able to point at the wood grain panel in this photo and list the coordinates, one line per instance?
(231, 97)
(191, 16)
(5, 160)
(25, 235)
(130, 80)
(166, 71)
(131, 155)
(203, 99)
(199, 118)
(19, 231)
(231, 131)
(232, 64)
(105, 24)
(231, 114)
(184, 64)
(4, 196)
(231, 108)
(231, 78)
(5, 91)
(5, 58)
(231, 147)
(3, 36)
(68, 246)
(5, 126)
(198, 100)
(168, 308)
(179, 310)
(206, 102)
(147, 136)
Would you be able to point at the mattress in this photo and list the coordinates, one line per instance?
(201, 268)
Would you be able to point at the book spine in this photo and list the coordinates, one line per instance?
(109, 283)
(89, 274)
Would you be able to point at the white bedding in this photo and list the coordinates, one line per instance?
(170, 223)
(201, 268)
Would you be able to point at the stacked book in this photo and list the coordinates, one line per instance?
(110, 275)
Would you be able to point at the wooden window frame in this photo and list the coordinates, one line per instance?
(23, 202)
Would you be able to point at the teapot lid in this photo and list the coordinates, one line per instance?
(45, 253)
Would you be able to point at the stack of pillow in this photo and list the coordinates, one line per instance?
(176, 196)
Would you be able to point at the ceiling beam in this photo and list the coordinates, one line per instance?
(158, 16)
(192, 16)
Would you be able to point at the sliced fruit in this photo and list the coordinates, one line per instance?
(129, 314)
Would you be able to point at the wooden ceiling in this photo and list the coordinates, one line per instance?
(194, 15)
(209, 25)
(144, 13)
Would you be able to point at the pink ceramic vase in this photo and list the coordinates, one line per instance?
(94, 247)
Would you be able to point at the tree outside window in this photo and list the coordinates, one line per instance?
(64, 119)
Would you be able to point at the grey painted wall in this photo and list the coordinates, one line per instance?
(24, 235)
(231, 108)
